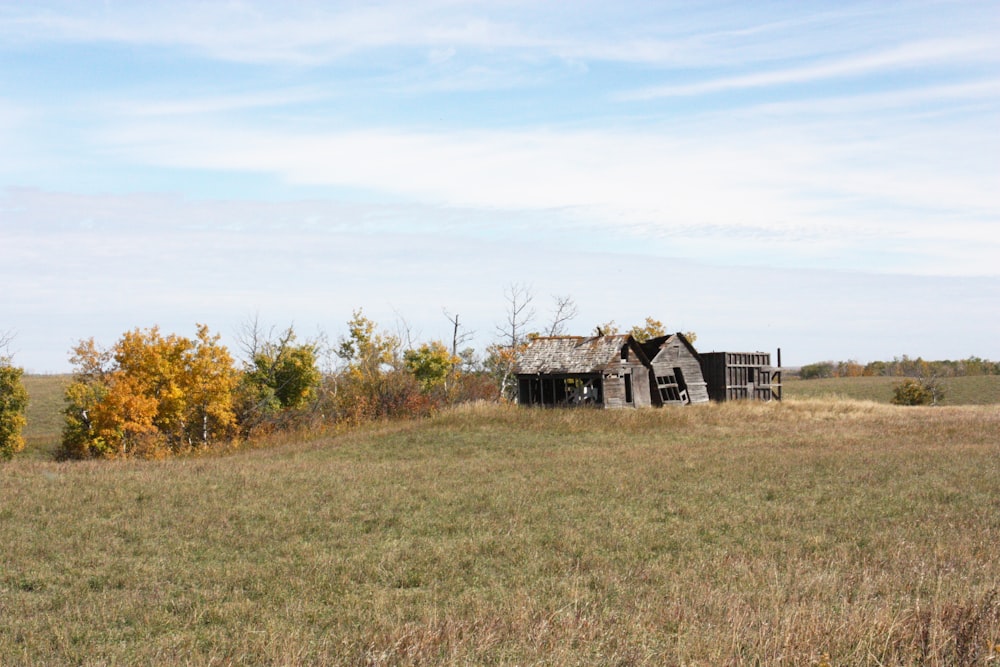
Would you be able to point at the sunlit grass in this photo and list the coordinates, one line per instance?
(737, 533)
(44, 414)
(970, 390)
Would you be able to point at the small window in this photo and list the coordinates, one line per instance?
(668, 387)
(628, 387)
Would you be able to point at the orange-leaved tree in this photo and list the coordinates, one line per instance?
(149, 395)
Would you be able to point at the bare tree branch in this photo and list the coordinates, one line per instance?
(519, 315)
(251, 337)
(6, 338)
(404, 332)
(564, 310)
(456, 337)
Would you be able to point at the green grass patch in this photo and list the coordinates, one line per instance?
(44, 415)
(969, 390)
(719, 534)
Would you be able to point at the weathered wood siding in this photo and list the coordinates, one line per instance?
(636, 366)
(627, 387)
(674, 361)
(735, 376)
(614, 390)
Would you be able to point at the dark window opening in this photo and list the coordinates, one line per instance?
(553, 391)
(670, 391)
(672, 387)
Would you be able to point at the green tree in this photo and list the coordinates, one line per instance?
(280, 378)
(431, 364)
(822, 369)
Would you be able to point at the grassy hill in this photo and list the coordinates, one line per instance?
(807, 532)
(46, 400)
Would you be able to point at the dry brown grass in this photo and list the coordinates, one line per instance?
(802, 533)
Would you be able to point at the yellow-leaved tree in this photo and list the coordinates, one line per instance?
(13, 402)
(653, 328)
(149, 395)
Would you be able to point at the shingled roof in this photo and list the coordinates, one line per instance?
(571, 354)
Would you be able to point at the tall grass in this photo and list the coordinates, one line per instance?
(804, 533)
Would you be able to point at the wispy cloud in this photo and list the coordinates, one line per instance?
(263, 32)
(909, 56)
(655, 33)
(647, 183)
(982, 95)
(213, 104)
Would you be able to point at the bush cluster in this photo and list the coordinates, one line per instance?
(152, 395)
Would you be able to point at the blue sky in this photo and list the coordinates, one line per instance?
(820, 177)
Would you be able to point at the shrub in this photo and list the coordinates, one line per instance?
(912, 391)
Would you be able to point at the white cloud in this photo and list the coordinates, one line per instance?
(306, 34)
(654, 33)
(647, 181)
(216, 104)
(908, 56)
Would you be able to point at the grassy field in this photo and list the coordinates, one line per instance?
(46, 400)
(972, 390)
(44, 414)
(803, 533)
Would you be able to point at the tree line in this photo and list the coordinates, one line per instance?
(153, 394)
(903, 366)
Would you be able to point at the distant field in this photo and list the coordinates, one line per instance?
(976, 390)
(44, 414)
(808, 532)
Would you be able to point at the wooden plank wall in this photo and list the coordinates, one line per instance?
(738, 375)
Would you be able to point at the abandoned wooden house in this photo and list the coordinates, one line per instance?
(741, 375)
(602, 371)
(617, 372)
(674, 371)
